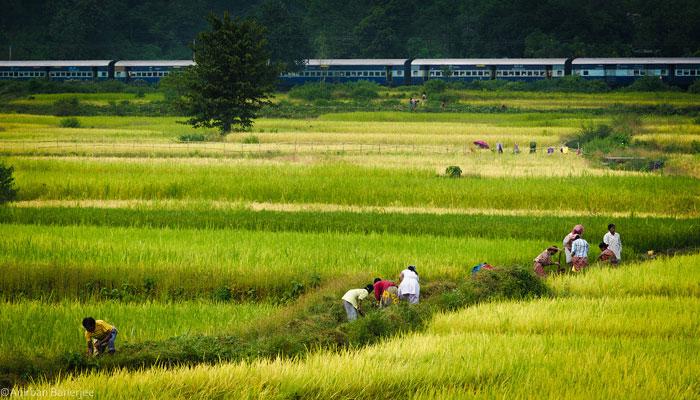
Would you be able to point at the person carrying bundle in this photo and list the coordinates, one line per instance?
(352, 301)
(385, 292)
(544, 259)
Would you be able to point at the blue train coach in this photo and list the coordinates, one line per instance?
(390, 71)
(623, 71)
(470, 69)
(147, 71)
(76, 70)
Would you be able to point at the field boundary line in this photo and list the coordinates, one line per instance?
(324, 207)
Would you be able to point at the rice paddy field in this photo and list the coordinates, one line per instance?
(222, 262)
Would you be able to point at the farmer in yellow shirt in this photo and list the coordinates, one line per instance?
(104, 333)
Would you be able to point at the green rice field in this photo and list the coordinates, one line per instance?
(222, 262)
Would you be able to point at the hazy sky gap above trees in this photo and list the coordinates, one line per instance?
(298, 29)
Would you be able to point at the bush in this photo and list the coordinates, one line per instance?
(695, 87)
(193, 137)
(312, 91)
(602, 138)
(363, 90)
(695, 147)
(7, 190)
(649, 84)
(222, 294)
(434, 86)
(66, 106)
(513, 283)
(250, 139)
(453, 171)
(70, 122)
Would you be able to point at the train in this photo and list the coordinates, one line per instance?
(678, 71)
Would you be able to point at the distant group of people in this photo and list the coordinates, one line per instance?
(500, 149)
(415, 102)
(385, 292)
(576, 250)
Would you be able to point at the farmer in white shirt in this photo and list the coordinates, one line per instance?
(409, 288)
(352, 299)
(612, 239)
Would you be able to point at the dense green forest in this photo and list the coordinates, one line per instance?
(297, 29)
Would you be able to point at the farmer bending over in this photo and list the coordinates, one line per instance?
(104, 333)
(385, 292)
(606, 254)
(544, 259)
(352, 299)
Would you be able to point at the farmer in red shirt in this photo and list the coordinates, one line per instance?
(385, 292)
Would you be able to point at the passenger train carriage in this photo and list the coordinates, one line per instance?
(83, 70)
(623, 71)
(470, 69)
(390, 72)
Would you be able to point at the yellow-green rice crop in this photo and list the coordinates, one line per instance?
(33, 327)
(575, 347)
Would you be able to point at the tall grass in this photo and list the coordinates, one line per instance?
(677, 276)
(36, 328)
(349, 185)
(518, 350)
(639, 233)
(82, 261)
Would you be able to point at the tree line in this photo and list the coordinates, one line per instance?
(298, 29)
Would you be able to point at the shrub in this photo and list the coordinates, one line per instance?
(140, 92)
(363, 90)
(508, 283)
(222, 294)
(453, 171)
(250, 139)
(312, 91)
(66, 106)
(7, 190)
(649, 84)
(193, 137)
(70, 122)
(695, 87)
(695, 147)
(434, 86)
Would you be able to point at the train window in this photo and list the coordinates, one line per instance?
(585, 72)
(692, 72)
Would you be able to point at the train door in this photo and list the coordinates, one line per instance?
(388, 71)
(407, 79)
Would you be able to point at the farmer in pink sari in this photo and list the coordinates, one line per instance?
(569, 239)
